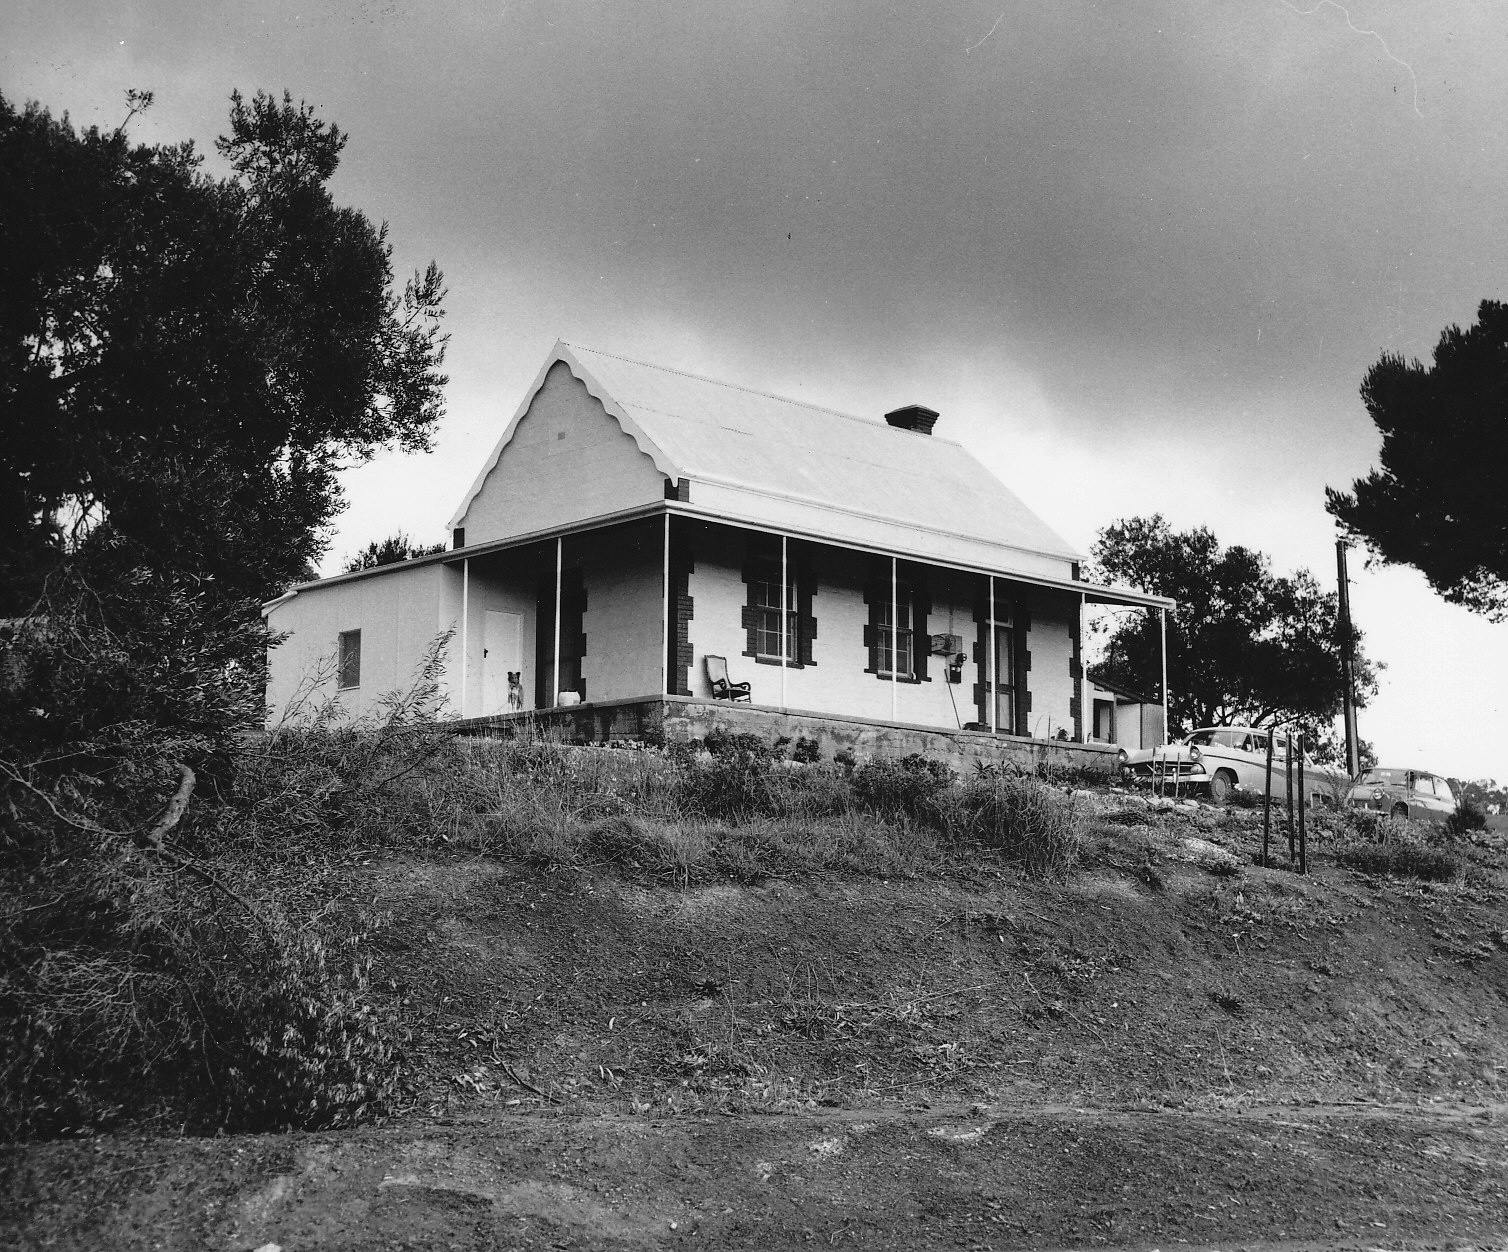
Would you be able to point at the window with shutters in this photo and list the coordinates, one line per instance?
(766, 638)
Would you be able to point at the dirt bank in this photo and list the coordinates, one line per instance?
(964, 1176)
(1175, 1045)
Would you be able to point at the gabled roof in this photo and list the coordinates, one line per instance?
(775, 460)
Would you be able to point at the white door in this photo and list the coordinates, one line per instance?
(502, 654)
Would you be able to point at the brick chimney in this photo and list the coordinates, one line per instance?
(913, 417)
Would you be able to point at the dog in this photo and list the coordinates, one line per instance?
(515, 690)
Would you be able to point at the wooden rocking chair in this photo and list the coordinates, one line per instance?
(717, 676)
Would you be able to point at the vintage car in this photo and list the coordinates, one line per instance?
(1224, 759)
(1412, 793)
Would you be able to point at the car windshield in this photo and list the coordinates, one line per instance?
(1384, 778)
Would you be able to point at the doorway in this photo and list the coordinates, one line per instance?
(502, 654)
(1005, 677)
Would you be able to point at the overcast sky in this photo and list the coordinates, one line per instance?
(1139, 254)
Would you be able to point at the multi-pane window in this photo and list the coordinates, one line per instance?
(349, 662)
(764, 601)
(901, 636)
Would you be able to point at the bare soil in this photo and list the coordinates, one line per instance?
(1177, 1047)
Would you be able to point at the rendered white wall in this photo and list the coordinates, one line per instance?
(622, 569)
(399, 612)
(568, 460)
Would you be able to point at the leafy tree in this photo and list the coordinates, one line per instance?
(186, 361)
(1436, 501)
(396, 547)
(1245, 646)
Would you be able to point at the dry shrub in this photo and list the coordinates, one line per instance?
(312, 1049)
(154, 967)
(138, 997)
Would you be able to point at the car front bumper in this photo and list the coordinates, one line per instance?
(1186, 773)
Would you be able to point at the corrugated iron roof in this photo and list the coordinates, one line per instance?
(768, 446)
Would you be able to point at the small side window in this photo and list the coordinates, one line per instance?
(350, 659)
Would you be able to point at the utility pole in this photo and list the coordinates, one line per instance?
(1347, 661)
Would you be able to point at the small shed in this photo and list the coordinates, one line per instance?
(1128, 719)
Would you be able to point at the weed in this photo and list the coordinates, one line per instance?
(806, 751)
(1400, 855)
(1468, 818)
(909, 787)
(738, 781)
(1127, 817)
(1027, 822)
(671, 852)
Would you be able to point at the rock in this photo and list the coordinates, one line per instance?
(1203, 852)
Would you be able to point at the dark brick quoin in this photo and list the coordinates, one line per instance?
(682, 608)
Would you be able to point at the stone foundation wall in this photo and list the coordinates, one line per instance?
(694, 720)
(678, 719)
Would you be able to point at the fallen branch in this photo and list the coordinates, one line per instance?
(199, 871)
(524, 1083)
(78, 823)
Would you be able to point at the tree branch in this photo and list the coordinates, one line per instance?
(173, 814)
(196, 868)
(151, 839)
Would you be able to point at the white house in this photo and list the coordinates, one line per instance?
(634, 520)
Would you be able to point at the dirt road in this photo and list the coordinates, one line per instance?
(975, 1177)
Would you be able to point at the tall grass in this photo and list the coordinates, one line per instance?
(740, 810)
(1394, 847)
(1029, 824)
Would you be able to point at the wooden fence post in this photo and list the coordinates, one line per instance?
(1303, 809)
(1288, 777)
(1267, 800)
